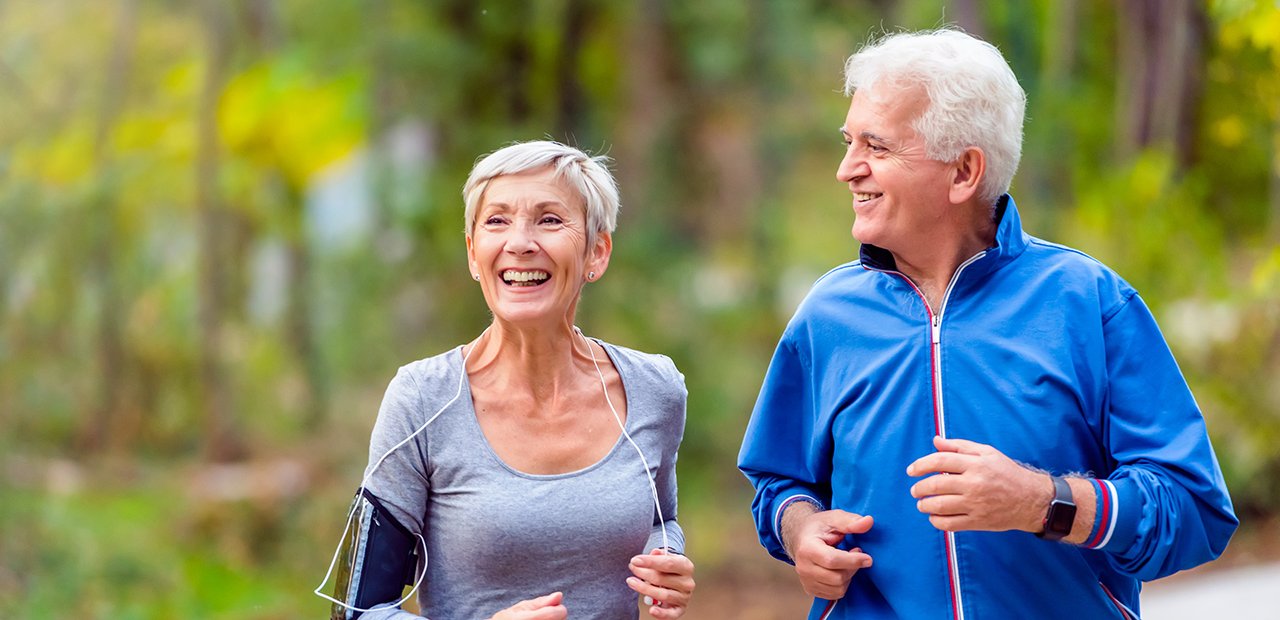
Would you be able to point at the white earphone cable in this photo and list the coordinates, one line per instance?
(462, 376)
(657, 504)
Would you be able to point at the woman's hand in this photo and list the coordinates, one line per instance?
(549, 607)
(664, 578)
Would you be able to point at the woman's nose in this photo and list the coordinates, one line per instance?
(521, 240)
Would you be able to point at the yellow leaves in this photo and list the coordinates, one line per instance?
(65, 160)
(282, 115)
(1229, 131)
(1150, 178)
(1254, 23)
(1265, 279)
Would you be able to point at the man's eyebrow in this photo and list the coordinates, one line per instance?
(867, 135)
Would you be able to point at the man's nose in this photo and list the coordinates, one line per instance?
(853, 166)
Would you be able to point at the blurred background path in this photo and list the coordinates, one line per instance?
(1245, 592)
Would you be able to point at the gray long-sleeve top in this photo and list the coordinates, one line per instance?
(495, 535)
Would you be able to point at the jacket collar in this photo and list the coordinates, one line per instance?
(1010, 242)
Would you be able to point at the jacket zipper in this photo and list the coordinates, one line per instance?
(953, 563)
(939, 415)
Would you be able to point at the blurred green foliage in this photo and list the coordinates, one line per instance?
(294, 256)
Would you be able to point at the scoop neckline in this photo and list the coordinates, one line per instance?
(484, 439)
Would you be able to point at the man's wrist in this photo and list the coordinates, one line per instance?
(793, 511)
(1044, 496)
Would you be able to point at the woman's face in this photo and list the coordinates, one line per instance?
(529, 248)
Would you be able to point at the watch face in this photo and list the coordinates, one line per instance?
(1061, 516)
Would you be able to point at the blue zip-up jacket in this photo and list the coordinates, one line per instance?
(1037, 350)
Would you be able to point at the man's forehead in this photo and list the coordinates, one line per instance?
(884, 105)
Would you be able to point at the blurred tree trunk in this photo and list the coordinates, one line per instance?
(569, 95)
(1048, 172)
(1160, 76)
(300, 313)
(222, 440)
(968, 15)
(264, 26)
(647, 103)
(380, 112)
(1274, 190)
(112, 369)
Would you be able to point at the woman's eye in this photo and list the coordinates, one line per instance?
(493, 221)
(550, 219)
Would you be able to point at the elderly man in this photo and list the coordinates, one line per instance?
(970, 422)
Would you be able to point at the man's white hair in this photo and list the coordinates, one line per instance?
(973, 97)
(587, 174)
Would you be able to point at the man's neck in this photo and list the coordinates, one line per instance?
(932, 262)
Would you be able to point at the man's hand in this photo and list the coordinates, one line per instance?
(549, 607)
(810, 536)
(984, 489)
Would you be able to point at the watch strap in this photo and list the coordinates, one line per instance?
(1062, 511)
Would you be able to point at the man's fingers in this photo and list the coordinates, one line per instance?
(832, 559)
(831, 583)
(940, 463)
(845, 522)
(962, 446)
(950, 523)
(940, 485)
(942, 505)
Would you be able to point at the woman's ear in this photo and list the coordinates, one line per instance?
(598, 256)
(471, 259)
(967, 175)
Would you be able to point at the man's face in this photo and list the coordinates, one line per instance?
(899, 194)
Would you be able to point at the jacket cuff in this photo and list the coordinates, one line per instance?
(783, 503)
(1116, 515)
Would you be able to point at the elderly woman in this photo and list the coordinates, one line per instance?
(533, 467)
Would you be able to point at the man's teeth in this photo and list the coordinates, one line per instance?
(525, 276)
(861, 197)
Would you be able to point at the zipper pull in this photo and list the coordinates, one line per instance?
(937, 328)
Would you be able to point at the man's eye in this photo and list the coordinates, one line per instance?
(876, 148)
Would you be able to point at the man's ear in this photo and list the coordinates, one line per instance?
(967, 174)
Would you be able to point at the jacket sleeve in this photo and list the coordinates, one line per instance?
(1165, 506)
(782, 453)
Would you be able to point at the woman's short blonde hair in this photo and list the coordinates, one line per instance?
(588, 174)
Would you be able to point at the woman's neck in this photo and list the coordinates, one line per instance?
(544, 363)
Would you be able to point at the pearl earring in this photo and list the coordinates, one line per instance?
(476, 276)
(591, 275)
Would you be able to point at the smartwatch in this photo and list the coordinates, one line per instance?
(1062, 511)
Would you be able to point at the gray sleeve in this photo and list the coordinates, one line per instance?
(400, 479)
(672, 432)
